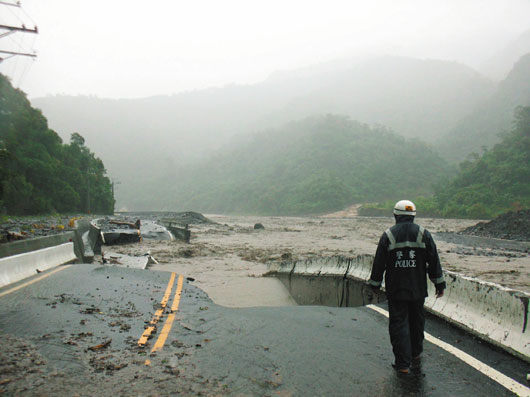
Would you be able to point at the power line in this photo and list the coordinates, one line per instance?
(28, 16)
(17, 15)
(27, 65)
(7, 33)
(10, 29)
(22, 76)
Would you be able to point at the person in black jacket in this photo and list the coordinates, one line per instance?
(406, 254)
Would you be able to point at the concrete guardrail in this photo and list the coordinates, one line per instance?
(16, 267)
(494, 313)
(21, 259)
(34, 244)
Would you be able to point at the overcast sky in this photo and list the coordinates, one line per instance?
(133, 48)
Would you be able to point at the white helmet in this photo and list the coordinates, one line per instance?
(405, 207)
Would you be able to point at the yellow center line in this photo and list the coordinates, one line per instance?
(147, 332)
(169, 321)
(33, 280)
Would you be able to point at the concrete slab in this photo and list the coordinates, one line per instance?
(127, 261)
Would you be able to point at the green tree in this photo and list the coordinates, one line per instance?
(40, 174)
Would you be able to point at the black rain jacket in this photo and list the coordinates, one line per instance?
(406, 253)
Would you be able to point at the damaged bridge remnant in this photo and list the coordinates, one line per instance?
(178, 223)
(180, 233)
(110, 232)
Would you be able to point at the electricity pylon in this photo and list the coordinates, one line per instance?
(6, 30)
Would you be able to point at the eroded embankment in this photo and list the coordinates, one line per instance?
(490, 311)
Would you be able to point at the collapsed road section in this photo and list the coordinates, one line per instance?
(494, 313)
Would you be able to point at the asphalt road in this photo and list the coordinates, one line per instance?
(78, 330)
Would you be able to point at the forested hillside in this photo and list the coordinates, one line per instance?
(39, 174)
(495, 182)
(312, 166)
(486, 185)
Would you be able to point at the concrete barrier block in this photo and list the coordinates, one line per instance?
(360, 267)
(34, 244)
(323, 266)
(16, 267)
(495, 313)
(95, 238)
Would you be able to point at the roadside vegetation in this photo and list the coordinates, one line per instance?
(40, 174)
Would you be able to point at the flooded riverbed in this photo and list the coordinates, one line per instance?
(228, 258)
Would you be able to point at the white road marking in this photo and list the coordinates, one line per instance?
(503, 380)
(32, 281)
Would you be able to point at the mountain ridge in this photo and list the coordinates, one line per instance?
(140, 137)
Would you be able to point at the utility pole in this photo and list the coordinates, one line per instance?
(6, 30)
(114, 182)
(88, 190)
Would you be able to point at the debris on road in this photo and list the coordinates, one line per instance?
(130, 225)
(129, 261)
(100, 346)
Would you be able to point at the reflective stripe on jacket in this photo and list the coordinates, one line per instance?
(406, 254)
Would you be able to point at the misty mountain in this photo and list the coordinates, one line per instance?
(498, 66)
(314, 165)
(416, 98)
(140, 138)
(481, 127)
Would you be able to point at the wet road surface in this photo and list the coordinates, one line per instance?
(78, 331)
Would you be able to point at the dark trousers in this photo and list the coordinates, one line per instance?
(407, 321)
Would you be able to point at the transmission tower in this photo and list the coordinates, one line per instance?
(6, 30)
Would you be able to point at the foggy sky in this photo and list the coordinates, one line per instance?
(132, 48)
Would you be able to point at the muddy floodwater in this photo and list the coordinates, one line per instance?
(229, 258)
